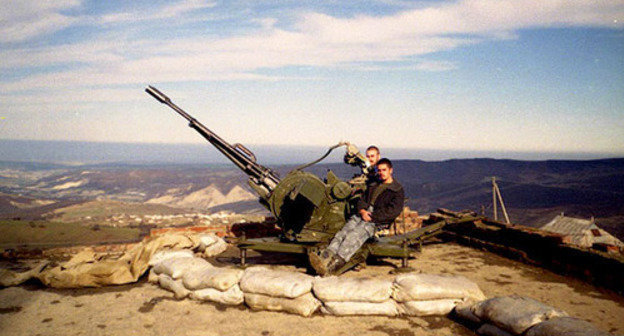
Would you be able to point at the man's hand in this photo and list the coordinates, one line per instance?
(366, 215)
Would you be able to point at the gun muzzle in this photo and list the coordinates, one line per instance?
(157, 94)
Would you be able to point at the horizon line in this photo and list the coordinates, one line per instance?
(607, 154)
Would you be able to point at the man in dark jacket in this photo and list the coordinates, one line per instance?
(381, 204)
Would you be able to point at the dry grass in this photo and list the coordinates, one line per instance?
(42, 234)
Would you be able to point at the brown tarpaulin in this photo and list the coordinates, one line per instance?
(87, 270)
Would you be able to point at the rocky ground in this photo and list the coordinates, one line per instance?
(143, 308)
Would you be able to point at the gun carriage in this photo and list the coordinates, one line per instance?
(309, 211)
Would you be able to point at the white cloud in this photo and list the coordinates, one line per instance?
(27, 8)
(435, 66)
(85, 52)
(465, 17)
(97, 95)
(26, 19)
(424, 65)
(315, 40)
(21, 20)
(170, 11)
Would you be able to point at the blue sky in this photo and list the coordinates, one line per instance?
(488, 75)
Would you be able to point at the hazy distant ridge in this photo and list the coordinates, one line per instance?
(534, 191)
(204, 153)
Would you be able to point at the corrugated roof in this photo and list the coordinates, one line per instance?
(568, 225)
(580, 231)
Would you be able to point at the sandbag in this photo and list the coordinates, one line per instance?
(168, 254)
(176, 267)
(514, 313)
(418, 287)
(386, 308)
(428, 307)
(220, 278)
(176, 286)
(304, 305)
(212, 245)
(140, 255)
(232, 296)
(337, 289)
(492, 330)
(565, 326)
(261, 280)
(206, 240)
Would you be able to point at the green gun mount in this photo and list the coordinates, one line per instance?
(309, 211)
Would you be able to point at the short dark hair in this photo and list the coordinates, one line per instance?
(373, 147)
(385, 161)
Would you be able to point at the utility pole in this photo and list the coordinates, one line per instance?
(494, 198)
(496, 193)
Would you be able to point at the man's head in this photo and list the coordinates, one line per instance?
(372, 154)
(384, 169)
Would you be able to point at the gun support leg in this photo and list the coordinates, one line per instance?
(405, 259)
(243, 251)
(243, 256)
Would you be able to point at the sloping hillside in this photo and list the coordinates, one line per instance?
(534, 191)
(204, 198)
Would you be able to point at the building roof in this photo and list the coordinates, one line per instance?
(583, 232)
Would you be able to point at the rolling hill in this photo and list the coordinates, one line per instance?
(534, 191)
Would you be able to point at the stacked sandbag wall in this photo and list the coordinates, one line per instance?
(355, 296)
(275, 290)
(432, 294)
(186, 275)
(410, 294)
(263, 288)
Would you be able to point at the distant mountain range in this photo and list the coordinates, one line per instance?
(84, 152)
(533, 191)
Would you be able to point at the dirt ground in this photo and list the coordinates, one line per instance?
(145, 309)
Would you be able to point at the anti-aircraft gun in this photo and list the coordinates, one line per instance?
(309, 211)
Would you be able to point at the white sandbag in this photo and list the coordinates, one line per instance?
(176, 267)
(340, 289)
(514, 313)
(386, 308)
(428, 307)
(565, 326)
(206, 240)
(261, 280)
(152, 277)
(220, 278)
(304, 305)
(168, 254)
(492, 330)
(215, 248)
(417, 287)
(176, 286)
(232, 296)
